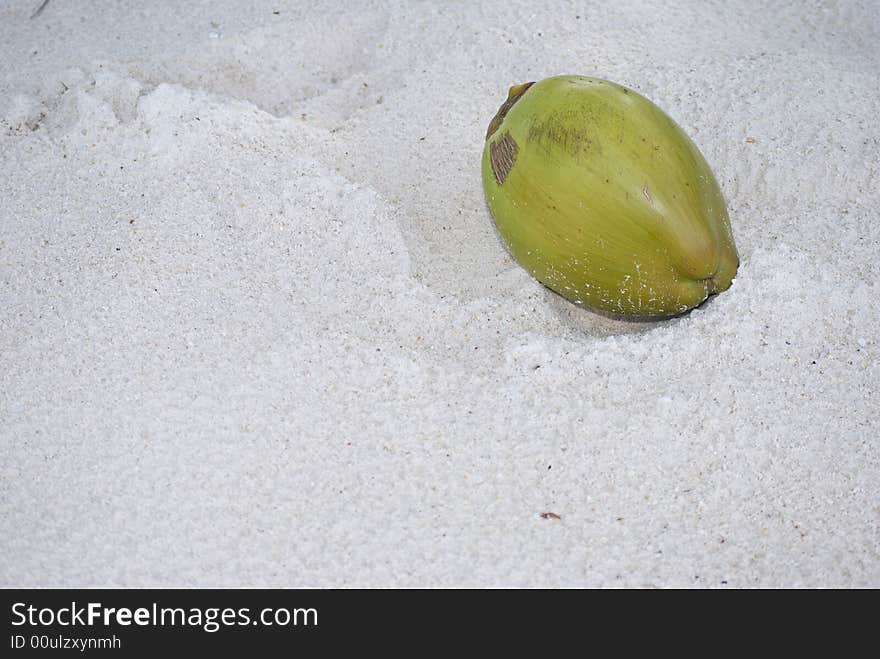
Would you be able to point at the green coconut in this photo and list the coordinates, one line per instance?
(602, 198)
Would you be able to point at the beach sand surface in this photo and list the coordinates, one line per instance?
(257, 328)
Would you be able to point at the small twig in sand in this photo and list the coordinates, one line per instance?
(40, 9)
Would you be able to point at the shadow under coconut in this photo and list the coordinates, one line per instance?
(594, 322)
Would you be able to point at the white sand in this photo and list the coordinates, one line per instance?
(257, 328)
